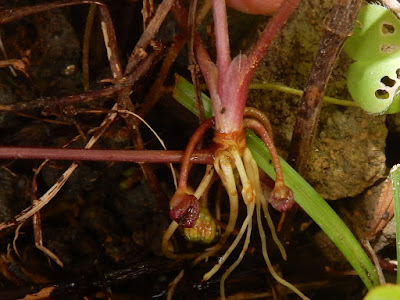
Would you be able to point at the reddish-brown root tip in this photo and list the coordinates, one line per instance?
(282, 198)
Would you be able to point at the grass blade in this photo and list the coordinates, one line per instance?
(184, 93)
(395, 177)
(319, 210)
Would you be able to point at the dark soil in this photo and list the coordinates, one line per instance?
(106, 225)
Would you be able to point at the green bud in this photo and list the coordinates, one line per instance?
(204, 230)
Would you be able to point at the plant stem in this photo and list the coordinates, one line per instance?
(265, 137)
(289, 90)
(271, 30)
(138, 156)
(242, 69)
(222, 40)
(195, 138)
(338, 27)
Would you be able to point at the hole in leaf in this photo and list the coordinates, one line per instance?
(382, 94)
(388, 81)
(387, 28)
(389, 48)
(398, 73)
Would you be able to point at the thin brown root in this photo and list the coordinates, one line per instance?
(50, 254)
(86, 47)
(281, 222)
(15, 239)
(375, 260)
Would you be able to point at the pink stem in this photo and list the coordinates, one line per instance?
(271, 30)
(222, 40)
(137, 156)
(194, 139)
(265, 137)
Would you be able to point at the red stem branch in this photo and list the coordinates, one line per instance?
(271, 30)
(262, 132)
(195, 138)
(137, 156)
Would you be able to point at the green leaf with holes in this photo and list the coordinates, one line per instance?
(376, 34)
(374, 84)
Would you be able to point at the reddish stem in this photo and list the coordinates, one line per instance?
(222, 40)
(262, 132)
(254, 113)
(195, 138)
(271, 30)
(281, 198)
(137, 156)
(239, 76)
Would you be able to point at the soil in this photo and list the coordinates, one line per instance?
(106, 225)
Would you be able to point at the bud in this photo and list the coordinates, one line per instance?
(204, 230)
(282, 198)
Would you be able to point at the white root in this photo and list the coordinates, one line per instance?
(261, 199)
(250, 211)
(266, 258)
(246, 225)
(248, 197)
(205, 182)
(224, 169)
(247, 190)
(173, 284)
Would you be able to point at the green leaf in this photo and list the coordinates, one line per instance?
(384, 292)
(185, 95)
(374, 84)
(311, 202)
(373, 80)
(376, 34)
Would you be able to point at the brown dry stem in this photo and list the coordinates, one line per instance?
(338, 27)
